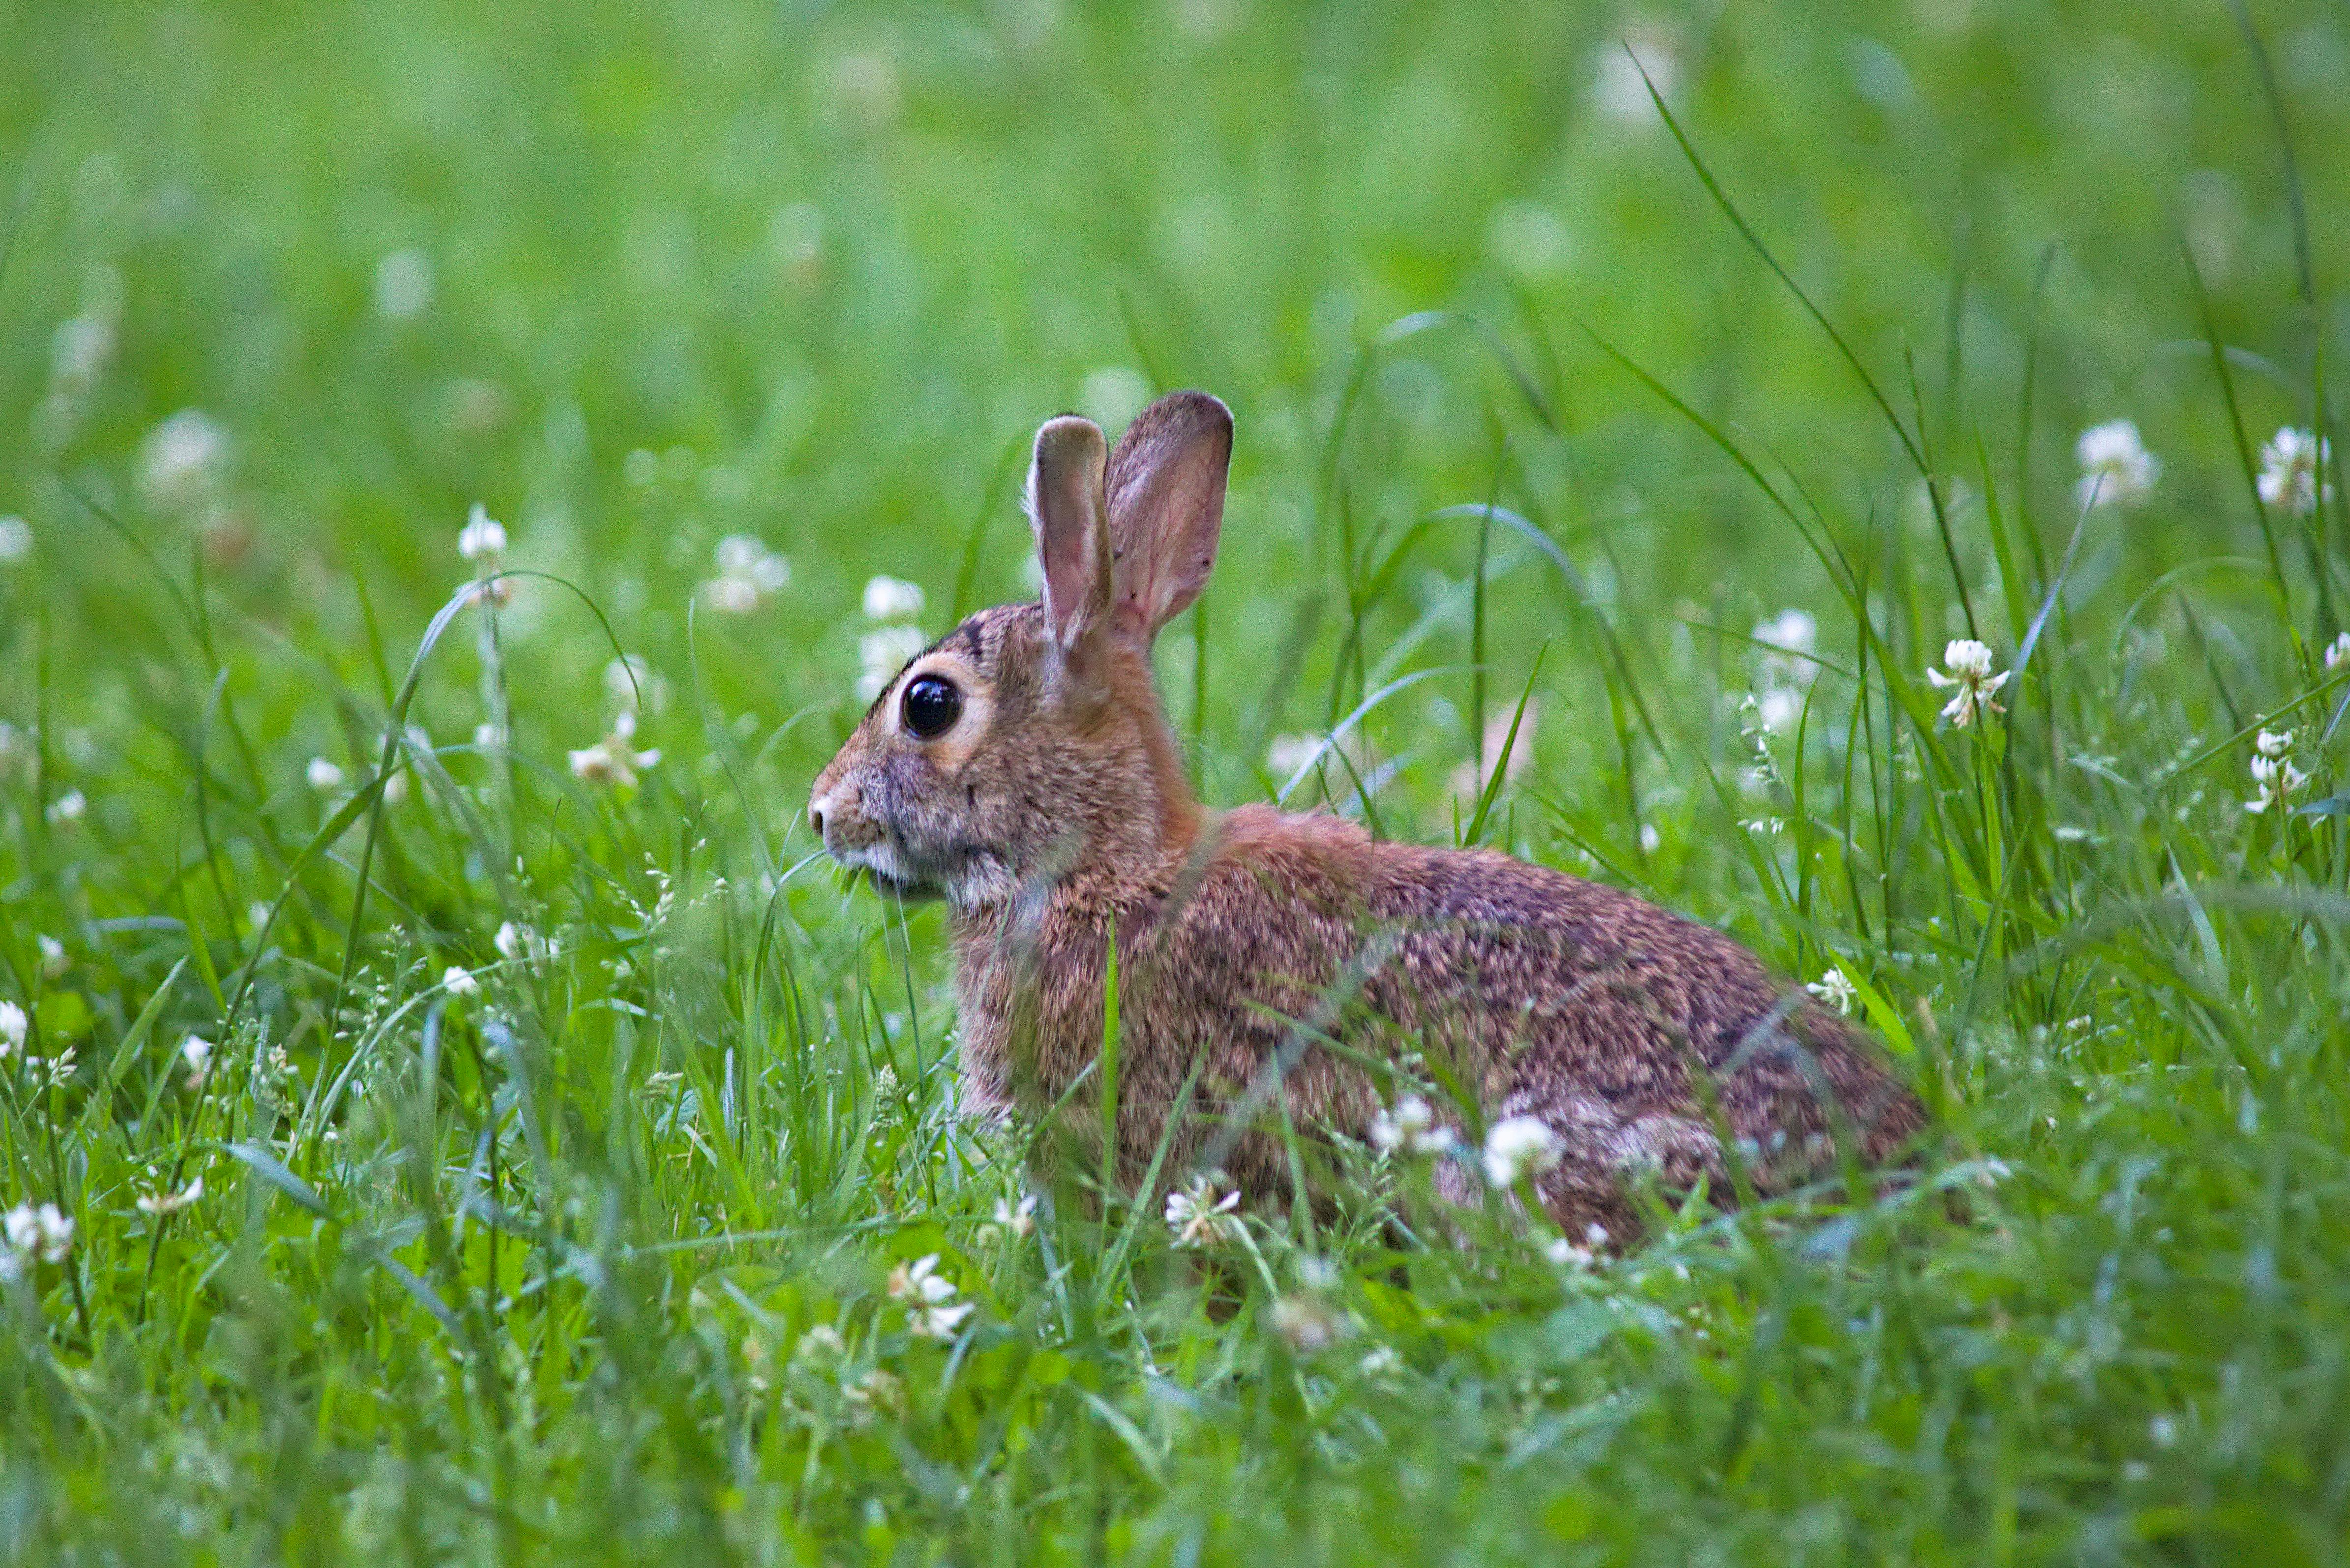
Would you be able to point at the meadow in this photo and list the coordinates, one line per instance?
(461, 465)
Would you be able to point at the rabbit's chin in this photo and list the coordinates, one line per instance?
(970, 879)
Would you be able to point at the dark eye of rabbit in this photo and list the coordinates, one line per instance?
(931, 706)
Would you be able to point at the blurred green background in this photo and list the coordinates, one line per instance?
(829, 263)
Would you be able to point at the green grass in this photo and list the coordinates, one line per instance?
(530, 1274)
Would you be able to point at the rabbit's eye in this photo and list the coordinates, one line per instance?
(931, 706)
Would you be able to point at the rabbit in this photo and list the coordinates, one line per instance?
(1286, 976)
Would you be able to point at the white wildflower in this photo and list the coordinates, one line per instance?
(515, 940)
(27, 1233)
(2293, 471)
(1520, 1147)
(2337, 652)
(876, 1393)
(171, 1202)
(633, 687)
(1411, 1126)
(460, 981)
(931, 1299)
(1651, 839)
(1835, 990)
(53, 961)
(1618, 91)
(14, 1023)
(489, 736)
(1467, 783)
(881, 653)
(747, 572)
(892, 599)
(197, 1053)
(1309, 1323)
(614, 759)
(2274, 742)
(324, 777)
(1380, 1363)
(1970, 676)
(403, 284)
(68, 809)
(483, 539)
(1112, 395)
(1566, 1254)
(16, 540)
(1199, 1217)
(2115, 467)
(1015, 1220)
(2275, 778)
(52, 1072)
(821, 1345)
(180, 460)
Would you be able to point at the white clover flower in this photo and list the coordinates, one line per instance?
(1199, 1217)
(515, 941)
(1566, 1254)
(1309, 1323)
(460, 981)
(171, 1202)
(1112, 395)
(614, 759)
(1411, 1126)
(1969, 663)
(1651, 838)
(1015, 1219)
(2337, 652)
(180, 460)
(747, 572)
(1520, 1147)
(2293, 471)
(1616, 91)
(403, 284)
(1779, 708)
(53, 961)
(483, 539)
(1793, 631)
(27, 1233)
(892, 599)
(14, 1024)
(16, 540)
(876, 1393)
(2276, 779)
(881, 653)
(2274, 742)
(931, 1299)
(1834, 990)
(2115, 467)
(68, 809)
(197, 1053)
(324, 777)
(821, 1345)
(633, 686)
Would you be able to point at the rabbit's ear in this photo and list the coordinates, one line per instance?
(1071, 520)
(1167, 506)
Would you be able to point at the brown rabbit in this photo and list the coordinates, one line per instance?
(1021, 767)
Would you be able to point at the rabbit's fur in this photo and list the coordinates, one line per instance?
(1285, 963)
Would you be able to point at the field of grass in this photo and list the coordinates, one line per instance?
(527, 1154)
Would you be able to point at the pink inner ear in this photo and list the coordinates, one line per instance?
(1167, 506)
(1065, 504)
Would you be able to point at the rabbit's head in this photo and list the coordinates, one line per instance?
(1028, 744)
